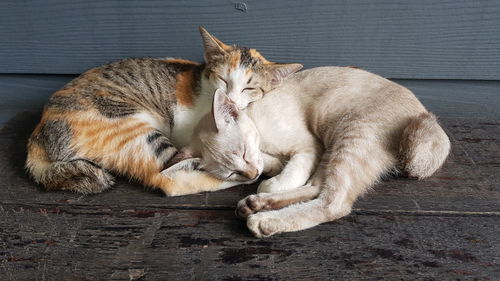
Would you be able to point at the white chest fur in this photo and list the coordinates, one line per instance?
(186, 119)
(279, 118)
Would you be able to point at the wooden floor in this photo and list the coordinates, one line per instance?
(443, 228)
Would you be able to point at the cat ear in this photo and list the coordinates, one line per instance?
(224, 110)
(213, 46)
(189, 164)
(280, 72)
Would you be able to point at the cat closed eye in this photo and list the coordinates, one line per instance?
(247, 89)
(222, 79)
(235, 173)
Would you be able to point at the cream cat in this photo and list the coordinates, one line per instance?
(338, 130)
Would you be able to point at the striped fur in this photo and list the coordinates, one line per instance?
(127, 117)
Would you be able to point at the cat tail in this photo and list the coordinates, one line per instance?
(79, 175)
(424, 146)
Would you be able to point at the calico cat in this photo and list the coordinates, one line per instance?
(129, 116)
(338, 130)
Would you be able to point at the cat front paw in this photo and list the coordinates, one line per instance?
(271, 185)
(274, 168)
(250, 205)
(263, 225)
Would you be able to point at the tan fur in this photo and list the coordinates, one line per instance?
(424, 146)
(340, 129)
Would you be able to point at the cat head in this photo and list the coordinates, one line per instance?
(225, 144)
(243, 73)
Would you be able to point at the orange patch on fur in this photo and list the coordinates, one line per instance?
(160, 181)
(184, 88)
(53, 114)
(184, 183)
(254, 53)
(235, 60)
(88, 129)
(121, 132)
(36, 151)
(94, 135)
(182, 61)
(83, 123)
(100, 130)
(90, 76)
(132, 137)
(65, 92)
(102, 93)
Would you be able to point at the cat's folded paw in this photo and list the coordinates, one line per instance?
(271, 185)
(274, 168)
(250, 205)
(262, 225)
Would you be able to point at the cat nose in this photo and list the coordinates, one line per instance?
(252, 173)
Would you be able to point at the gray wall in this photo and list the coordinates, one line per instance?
(418, 41)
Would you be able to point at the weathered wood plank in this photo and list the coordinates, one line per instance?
(398, 39)
(214, 245)
(468, 184)
(468, 99)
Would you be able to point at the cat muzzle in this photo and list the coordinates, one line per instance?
(251, 174)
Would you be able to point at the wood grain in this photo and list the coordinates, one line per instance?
(446, 98)
(443, 228)
(214, 245)
(398, 39)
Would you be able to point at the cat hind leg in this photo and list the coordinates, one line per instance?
(78, 175)
(346, 172)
